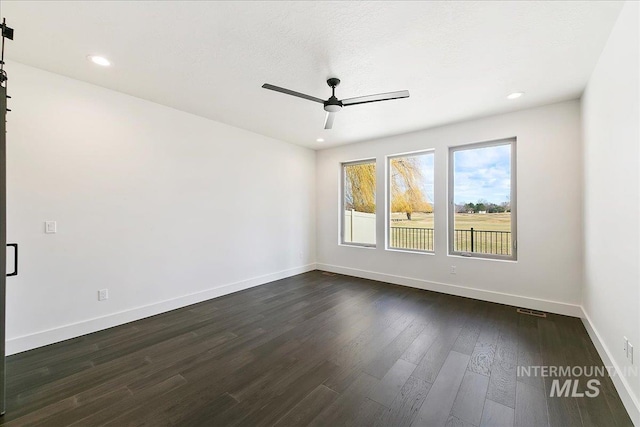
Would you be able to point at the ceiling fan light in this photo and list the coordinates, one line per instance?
(332, 108)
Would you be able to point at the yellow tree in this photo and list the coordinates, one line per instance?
(406, 179)
(360, 189)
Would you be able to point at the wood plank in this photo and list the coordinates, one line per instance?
(198, 413)
(365, 415)
(348, 403)
(419, 347)
(309, 407)
(388, 356)
(470, 399)
(454, 421)
(356, 355)
(430, 365)
(502, 382)
(466, 341)
(282, 395)
(564, 410)
(496, 415)
(141, 403)
(531, 407)
(529, 350)
(391, 384)
(75, 408)
(406, 405)
(437, 406)
(485, 348)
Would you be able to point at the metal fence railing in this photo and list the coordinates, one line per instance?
(411, 238)
(481, 241)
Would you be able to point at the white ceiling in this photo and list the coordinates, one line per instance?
(458, 59)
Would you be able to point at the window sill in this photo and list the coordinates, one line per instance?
(353, 245)
(509, 260)
(409, 251)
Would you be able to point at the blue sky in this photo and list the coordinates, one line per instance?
(482, 174)
(426, 164)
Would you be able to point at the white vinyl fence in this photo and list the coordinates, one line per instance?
(359, 227)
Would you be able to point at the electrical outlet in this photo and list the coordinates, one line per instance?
(453, 269)
(103, 294)
(625, 346)
(50, 227)
(630, 352)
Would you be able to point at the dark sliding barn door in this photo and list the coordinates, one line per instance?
(3, 237)
(6, 33)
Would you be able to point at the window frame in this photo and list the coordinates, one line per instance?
(512, 141)
(342, 207)
(387, 214)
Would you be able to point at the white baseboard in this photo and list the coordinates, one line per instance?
(463, 291)
(61, 333)
(619, 381)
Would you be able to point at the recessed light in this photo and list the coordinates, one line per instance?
(320, 140)
(515, 95)
(99, 60)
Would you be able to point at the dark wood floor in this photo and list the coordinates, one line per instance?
(315, 349)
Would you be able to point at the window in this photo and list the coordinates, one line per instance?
(359, 203)
(482, 191)
(410, 201)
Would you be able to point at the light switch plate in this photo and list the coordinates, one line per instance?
(50, 227)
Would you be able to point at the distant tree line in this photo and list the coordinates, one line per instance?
(483, 206)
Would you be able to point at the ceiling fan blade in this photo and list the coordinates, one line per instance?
(292, 92)
(375, 98)
(328, 120)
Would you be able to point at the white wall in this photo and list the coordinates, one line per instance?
(548, 273)
(161, 207)
(611, 128)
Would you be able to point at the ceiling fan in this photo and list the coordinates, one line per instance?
(333, 104)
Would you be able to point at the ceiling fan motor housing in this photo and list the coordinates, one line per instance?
(332, 105)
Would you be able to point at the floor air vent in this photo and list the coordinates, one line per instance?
(326, 273)
(531, 312)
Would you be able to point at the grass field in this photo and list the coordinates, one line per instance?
(493, 243)
(463, 221)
